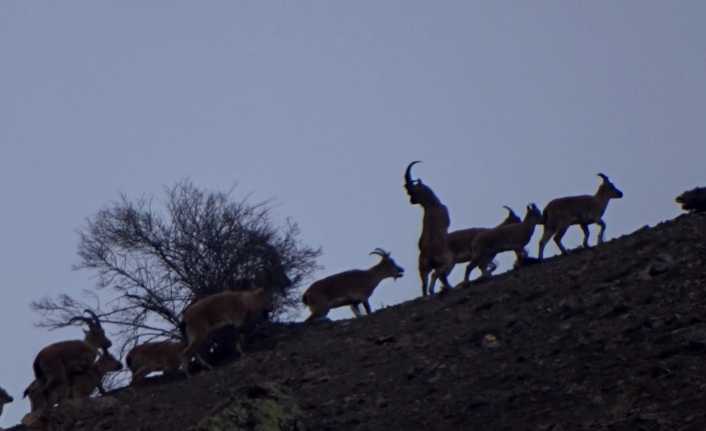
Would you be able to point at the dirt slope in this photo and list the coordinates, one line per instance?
(610, 338)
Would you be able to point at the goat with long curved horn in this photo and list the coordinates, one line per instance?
(434, 252)
(55, 363)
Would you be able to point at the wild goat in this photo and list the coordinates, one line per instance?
(461, 241)
(352, 287)
(85, 383)
(513, 237)
(434, 251)
(5, 398)
(146, 358)
(82, 383)
(237, 308)
(222, 343)
(55, 363)
(693, 200)
(584, 210)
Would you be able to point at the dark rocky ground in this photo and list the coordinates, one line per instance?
(609, 338)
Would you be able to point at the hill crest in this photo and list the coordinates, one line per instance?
(612, 337)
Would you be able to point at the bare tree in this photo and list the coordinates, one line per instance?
(153, 260)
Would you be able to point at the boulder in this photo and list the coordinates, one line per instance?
(265, 407)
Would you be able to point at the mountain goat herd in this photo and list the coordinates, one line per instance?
(74, 369)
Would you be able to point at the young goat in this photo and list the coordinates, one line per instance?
(461, 242)
(5, 398)
(352, 287)
(85, 383)
(434, 251)
(56, 362)
(146, 358)
(583, 210)
(237, 308)
(513, 237)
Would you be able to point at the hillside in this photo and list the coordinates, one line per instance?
(610, 338)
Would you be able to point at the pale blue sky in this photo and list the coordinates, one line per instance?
(320, 105)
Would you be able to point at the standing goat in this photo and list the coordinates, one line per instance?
(5, 398)
(55, 363)
(82, 383)
(512, 237)
(461, 243)
(352, 287)
(146, 358)
(229, 308)
(434, 252)
(583, 210)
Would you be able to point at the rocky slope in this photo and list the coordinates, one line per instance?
(609, 338)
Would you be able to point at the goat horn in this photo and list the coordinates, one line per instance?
(508, 209)
(408, 172)
(604, 177)
(79, 319)
(380, 252)
(95, 318)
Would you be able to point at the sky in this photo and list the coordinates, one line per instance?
(320, 105)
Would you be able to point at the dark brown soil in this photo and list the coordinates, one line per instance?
(609, 338)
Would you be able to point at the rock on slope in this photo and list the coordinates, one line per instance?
(609, 338)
